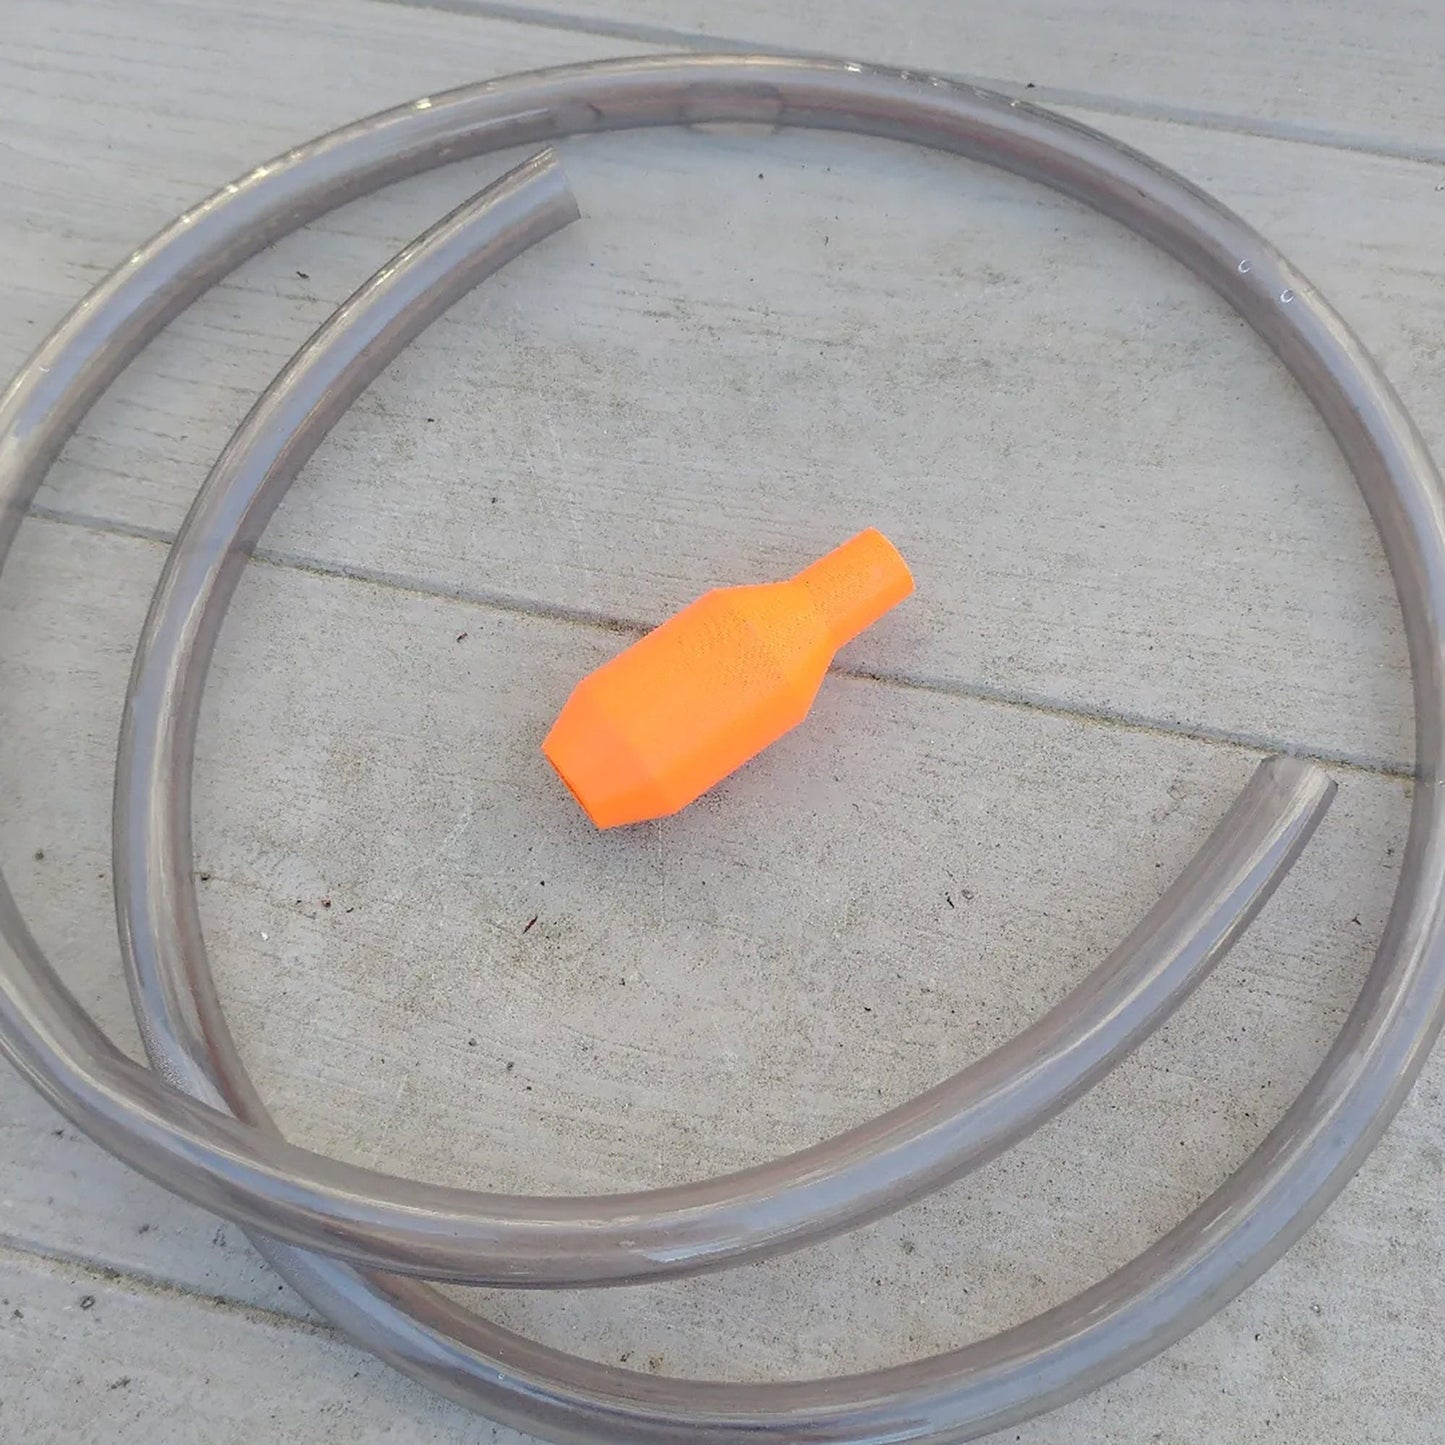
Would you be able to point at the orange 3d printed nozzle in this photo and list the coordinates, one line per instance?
(695, 699)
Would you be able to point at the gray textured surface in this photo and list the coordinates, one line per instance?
(1139, 561)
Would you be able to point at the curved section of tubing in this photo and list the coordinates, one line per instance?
(274, 441)
(1230, 1239)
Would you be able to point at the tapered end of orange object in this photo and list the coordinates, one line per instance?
(683, 707)
(855, 584)
(601, 766)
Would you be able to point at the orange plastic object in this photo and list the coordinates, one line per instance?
(691, 702)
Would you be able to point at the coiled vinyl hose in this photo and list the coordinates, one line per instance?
(346, 1216)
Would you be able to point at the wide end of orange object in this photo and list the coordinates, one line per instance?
(661, 723)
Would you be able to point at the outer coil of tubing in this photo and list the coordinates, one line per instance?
(1200, 1264)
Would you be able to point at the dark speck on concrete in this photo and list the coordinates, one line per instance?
(471, 1043)
(462, 636)
(304, 275)
(531, 923)
(40, 855)
(87, 1301)
(204, 877)
(119, 1384)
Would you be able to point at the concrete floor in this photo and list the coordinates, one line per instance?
(1140, 566)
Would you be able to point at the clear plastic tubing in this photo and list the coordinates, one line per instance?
(1213, 1253)
(375, 1219)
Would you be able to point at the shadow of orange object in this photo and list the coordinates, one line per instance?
(660, 724)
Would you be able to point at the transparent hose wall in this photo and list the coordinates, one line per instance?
(1211, 1254)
